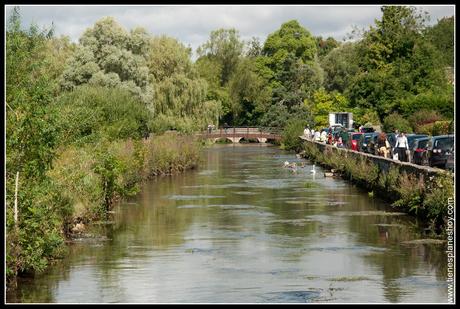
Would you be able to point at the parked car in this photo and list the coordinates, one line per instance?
(367, 130)
(410, 141)
(450, 161)
(440, 148)
(419, 151)
(363, 140)
(353, 140)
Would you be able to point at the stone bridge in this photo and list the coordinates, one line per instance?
(235, 134)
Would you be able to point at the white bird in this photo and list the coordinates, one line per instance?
(313, 171)
(286, 163)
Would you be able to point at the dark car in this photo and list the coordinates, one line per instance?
(410, 141)
(367, 130)
(440, 148)
(353, 139)
(371, 145)
(363, 141)
(419, 151)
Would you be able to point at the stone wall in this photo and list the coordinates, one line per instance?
(383, 163)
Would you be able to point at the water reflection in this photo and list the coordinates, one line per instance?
(244, 229)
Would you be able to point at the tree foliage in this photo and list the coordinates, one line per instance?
(225, 46)
(108, 55)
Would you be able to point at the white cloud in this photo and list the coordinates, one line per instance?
(192, 24)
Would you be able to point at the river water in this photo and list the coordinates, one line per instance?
(243, 229)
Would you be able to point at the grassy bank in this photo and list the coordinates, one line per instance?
(426, 198)
(81, 187)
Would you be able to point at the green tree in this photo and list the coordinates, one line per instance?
(441, 36)
(290, 64)
(325, 46)
(249, 93)
(254, 48)
(31, 141)
(396, 122)
(108, 55)
(395, 62)
(340, 66)
(322, 103)
(180, 97)
(90, 113)
(225, 46)
(167, 56)
(293, 39)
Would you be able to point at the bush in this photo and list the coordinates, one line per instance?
(436, 128)
(38, 238)
(422, 118)
(90, 113)
(441, 128)
(441, 100)
(436, 201)
(396, 122)
(277, 116)
(291, 133)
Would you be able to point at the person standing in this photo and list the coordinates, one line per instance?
(402, 146)
(344, 136)
(323, 137)
(317, 136)
(383, 145)
(306, 132)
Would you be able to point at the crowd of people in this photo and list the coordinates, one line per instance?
(383, 146)
(327, 137)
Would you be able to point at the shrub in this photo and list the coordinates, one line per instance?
(441, 100)
(396, 122)
(411, 190)
(436, 128)
(291, 133)
(441, 128)
(436, 200)
(423, 117)
(89, 113)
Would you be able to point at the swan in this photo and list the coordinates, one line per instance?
(313, 171)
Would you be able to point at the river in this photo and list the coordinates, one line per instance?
(243, 229)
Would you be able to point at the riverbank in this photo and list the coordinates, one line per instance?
(420, 191)
(89, 180)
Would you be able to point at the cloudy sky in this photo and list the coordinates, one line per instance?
(192, 24)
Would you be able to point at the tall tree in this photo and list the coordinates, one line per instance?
(108, 55)
(441, 36)
(395, 61)
(226, 47)
(340, 66)
(293, 39)
(325, 46)
(249, 93)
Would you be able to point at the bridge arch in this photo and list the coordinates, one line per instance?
(237, 134)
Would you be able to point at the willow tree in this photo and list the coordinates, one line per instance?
(180, 95)
(108, 55)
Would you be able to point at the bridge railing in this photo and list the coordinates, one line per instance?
(243, 131)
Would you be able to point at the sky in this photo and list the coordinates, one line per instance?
(192, 24)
